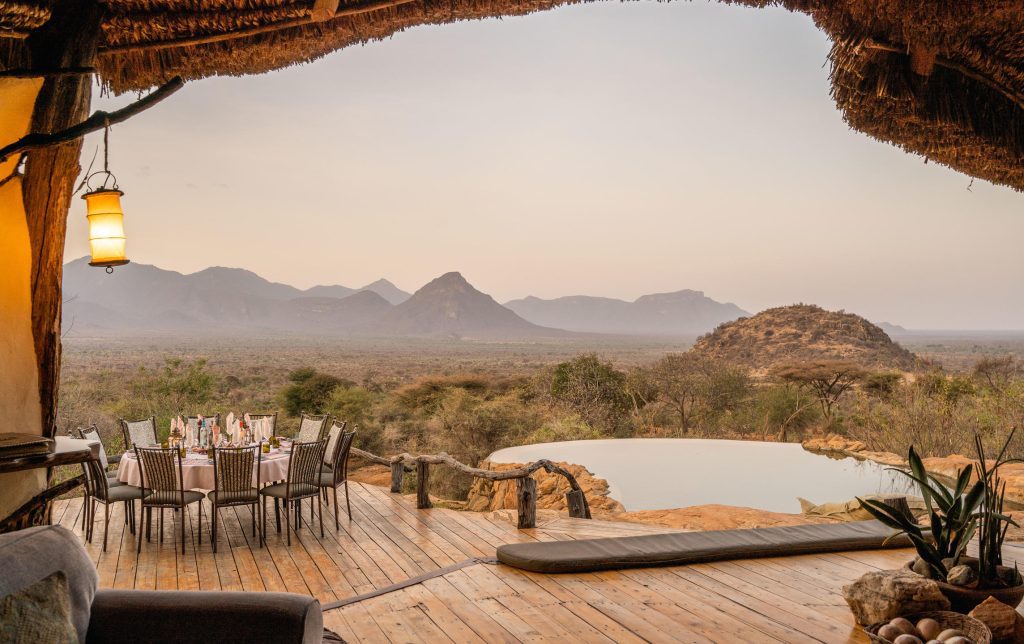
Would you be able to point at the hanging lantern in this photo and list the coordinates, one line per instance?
(106, 218)
(106, 228)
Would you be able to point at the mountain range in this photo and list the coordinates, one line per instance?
(139, 298)
(680, 313)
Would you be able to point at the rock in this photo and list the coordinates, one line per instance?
(486, 495)
(962, 576)
(1000, 618)
(922, 568)
(885, 594)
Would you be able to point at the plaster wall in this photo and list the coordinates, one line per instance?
(19, 377)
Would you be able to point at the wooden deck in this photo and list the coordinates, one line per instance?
(785, 599)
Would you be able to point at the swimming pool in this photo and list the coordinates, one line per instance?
(658, 473)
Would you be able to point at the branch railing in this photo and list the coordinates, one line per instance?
(526, 485)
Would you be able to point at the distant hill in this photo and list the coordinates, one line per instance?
(142, 299)
(679, 313)
(388, 291)
(804, 332)
(381, 287)
(450, 306)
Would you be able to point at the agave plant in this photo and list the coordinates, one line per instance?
(955, 515)
(951, 514)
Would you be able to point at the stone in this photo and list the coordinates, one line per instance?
(486, 495)
(921, 567)
(1000, 618)
(962, 576)
(882, 595)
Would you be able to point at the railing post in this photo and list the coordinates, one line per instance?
(526, 493)
(423, 485)
(577, 504)
(397, 474)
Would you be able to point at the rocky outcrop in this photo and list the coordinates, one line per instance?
(487, 495)
(843, 446)
(885, 594)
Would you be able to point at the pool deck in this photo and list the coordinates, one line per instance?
(389, 541)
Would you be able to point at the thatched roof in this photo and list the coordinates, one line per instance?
(943, 79)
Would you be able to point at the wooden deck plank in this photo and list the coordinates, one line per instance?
(790, 599)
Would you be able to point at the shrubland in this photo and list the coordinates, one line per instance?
(470, 408)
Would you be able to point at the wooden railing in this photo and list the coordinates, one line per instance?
(526, 485)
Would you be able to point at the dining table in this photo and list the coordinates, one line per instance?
(197, 469)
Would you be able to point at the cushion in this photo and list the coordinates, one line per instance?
(681, 548)
(38, 613)
(332, 441)
(28, 555)
(124, 493)
(249, 496)
(279, 490)
(171, 497)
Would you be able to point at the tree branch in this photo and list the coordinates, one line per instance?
(97, 121)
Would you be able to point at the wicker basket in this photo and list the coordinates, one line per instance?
(970, 627)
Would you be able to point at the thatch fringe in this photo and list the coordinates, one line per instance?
(961, 108)
(22, 17)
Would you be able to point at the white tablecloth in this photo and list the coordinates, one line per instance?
(197, 473)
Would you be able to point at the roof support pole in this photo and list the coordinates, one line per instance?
(69, 40)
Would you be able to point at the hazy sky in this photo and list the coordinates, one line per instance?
(601, 149)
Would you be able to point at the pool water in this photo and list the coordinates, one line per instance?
(659, 473)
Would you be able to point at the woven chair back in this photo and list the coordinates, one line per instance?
(233, 469)
(270, 421)
(162, 475)
(333, 442)
(344, 450)
(139, 432)
(93, 434)
(96, 479)
(311, 428)
(193, 421)
(304, 468)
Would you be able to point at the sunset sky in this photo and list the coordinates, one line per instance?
(602, 149)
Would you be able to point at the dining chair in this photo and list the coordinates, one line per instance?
(100, 491)
(303, 482)
(270, 419)
(163, 482)
(139, 432)
(93, 434)
(312, 428)
(193, 421)
(337, 461)
(232, 477)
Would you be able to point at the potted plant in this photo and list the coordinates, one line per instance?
(955, 516)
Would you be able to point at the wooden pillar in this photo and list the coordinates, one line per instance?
(69, 39)
(397, 474)
(423, 485)
(526, 495)
(577, 504)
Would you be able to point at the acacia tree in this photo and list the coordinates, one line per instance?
(828, 379)
(696, 385)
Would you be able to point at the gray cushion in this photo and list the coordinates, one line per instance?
(156, 616)
(681, 548)
(26, 556)
(279, 490)
(124, 493)
(171, 497)
(249, 496)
